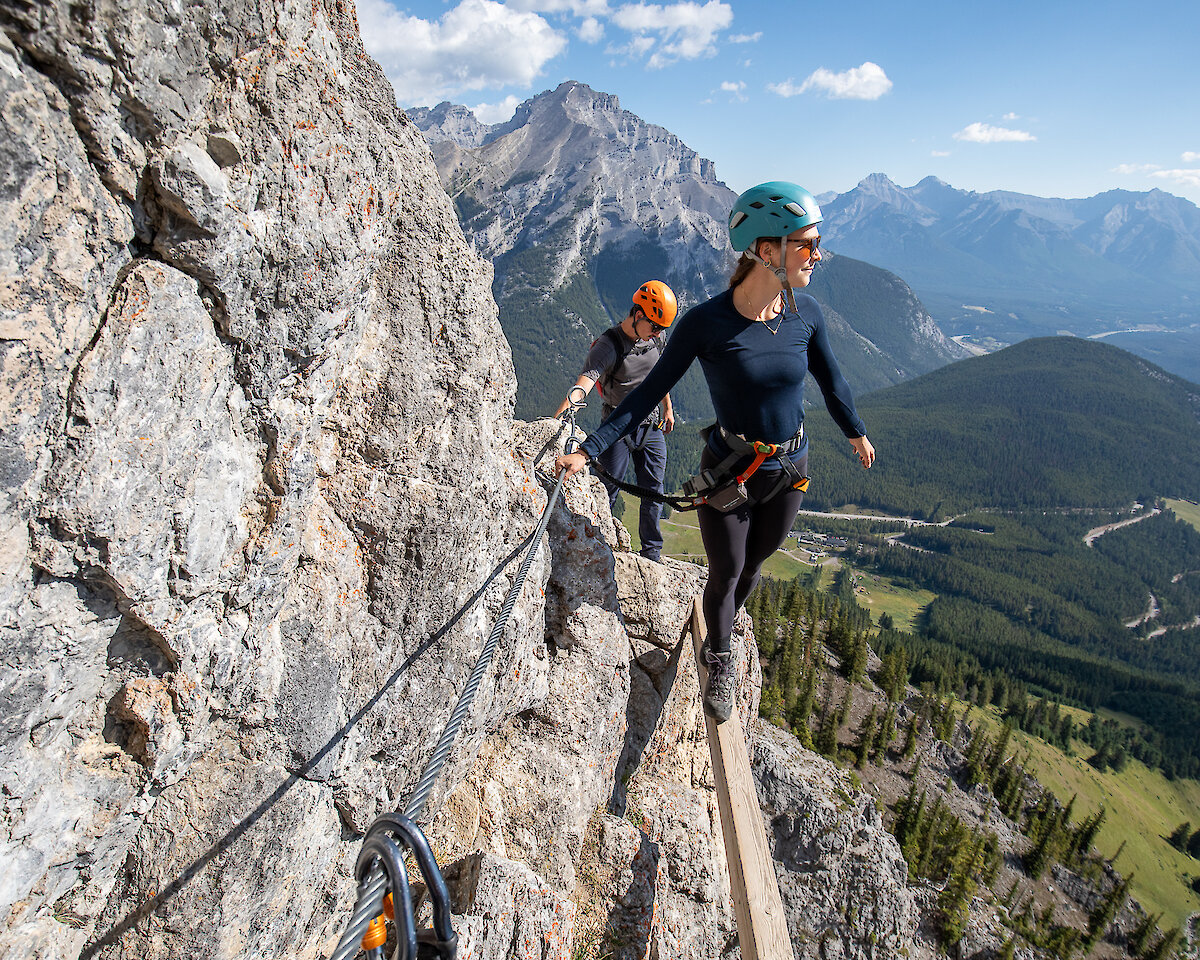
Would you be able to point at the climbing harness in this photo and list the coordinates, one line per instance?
(380, 869)
(717, 487)
(721, 489)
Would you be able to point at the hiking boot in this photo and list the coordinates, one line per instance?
(654, 555)
(722, 684)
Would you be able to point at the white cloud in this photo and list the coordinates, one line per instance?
(745, 37)
(986, 133)
(939, 153)
(677, 31)
(580, 8)
(496, 112)
(1190, 156)
(1127, 169)
(476, 45)
(1185, 178)
(591, 30)
(1010, 117)
(867, 82)
(785, 89)
(735, 87)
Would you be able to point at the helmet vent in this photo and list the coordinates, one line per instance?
(795, 208)
(757, 204)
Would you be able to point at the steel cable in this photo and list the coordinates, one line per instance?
(373, 887)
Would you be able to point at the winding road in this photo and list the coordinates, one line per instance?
(1096, 532)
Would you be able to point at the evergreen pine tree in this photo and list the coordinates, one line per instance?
(949, 721)
(887, 730)
(826, 741)
(1102, 914)
(910, 736)
(1142, 935)
(977, 752)
(997, 755)
(857, 669)
(1037, 859)
(770, 705)
(910, 846)
(810, 638)
(1085, 836)
(1163, 947)
(955, 899)
(844, 707)
(866, 739)
(893, 673)
(1193, 844)
(929, 834)
(905, 808)
(1179, 836)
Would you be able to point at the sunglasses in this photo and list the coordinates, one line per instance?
(653, 326)
(813, 243)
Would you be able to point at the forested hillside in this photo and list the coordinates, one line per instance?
(1010, 865)
(1051, 423)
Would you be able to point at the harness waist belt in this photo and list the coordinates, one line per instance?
(740, 445)
(654, 416)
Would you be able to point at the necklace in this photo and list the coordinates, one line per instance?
(766, 321)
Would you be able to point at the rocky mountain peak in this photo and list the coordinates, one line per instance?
(878, 191)
(450, 121)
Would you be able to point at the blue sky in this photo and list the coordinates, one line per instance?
(1056, 98)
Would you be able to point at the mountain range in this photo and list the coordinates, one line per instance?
(1002, 266)
(576, 201)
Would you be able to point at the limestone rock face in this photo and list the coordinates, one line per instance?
(843, 880)
(256, 449)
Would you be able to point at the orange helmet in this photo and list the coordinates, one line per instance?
(657, 301)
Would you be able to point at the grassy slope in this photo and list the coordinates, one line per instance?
(1143, 808)
(681, 539)
(1186, 510)
(904, 604)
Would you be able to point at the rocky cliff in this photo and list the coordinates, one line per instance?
(262, 492)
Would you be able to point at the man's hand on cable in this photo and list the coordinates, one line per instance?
(668, 421)
(866, 452)
(572, 463)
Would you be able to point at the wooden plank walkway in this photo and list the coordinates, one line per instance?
(758, 909)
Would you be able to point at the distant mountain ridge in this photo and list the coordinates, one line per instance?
(1050, 422)
(1005, 266)
(576, 201)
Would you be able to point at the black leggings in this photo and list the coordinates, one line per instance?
(738, 543)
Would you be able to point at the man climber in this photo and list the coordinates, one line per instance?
(617, 362)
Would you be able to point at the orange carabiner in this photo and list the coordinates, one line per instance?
(761, 452)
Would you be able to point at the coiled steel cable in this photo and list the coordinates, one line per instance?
(374, 886)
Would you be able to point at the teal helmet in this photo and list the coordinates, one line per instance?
(772, 209)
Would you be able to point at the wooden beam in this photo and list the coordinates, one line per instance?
(758, 909)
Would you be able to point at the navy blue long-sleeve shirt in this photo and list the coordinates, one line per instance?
(756, 378)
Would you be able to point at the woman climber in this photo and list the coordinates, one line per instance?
(755, 343)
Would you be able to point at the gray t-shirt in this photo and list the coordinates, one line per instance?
(618, 380)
